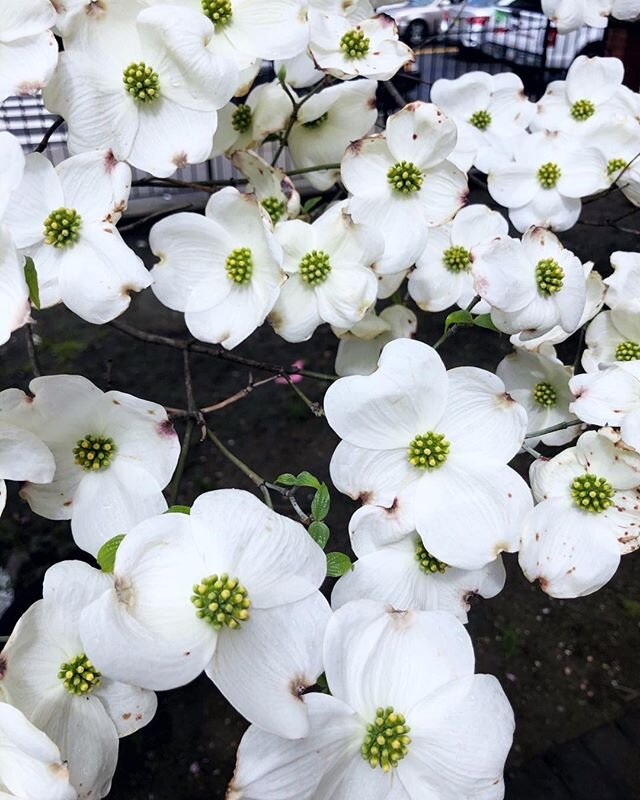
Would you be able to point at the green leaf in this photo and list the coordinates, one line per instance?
(310, 204)
(485, 321)
(338, 564)
(287, 479)
(178, 510)
(321, 503)
(106, 557)
(31, 277)
(458, 318)
(319, 532)
(307, 479)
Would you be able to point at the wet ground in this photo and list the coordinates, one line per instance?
(567, 666)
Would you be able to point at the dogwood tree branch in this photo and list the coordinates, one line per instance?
(44, 142)
(559, 427)
(214, 352)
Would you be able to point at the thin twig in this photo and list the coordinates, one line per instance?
(315, 408)
(394, 93)
(258, 480)
(158, 215)
(44, 142)
(531, 451)
(182, 412)
(297, 105)
(31, 350)
(186, 443)
(214, 352)
(289, 494)
(559, 427)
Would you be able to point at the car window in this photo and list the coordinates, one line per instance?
(483, 3)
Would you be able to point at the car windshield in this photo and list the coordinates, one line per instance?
(484, 3)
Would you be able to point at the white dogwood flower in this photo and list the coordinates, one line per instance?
(348, 49)
(330, 279)
(273, 189)
(557, 335)
(570, 15)
(402, 183)
(248, 31)
(48, 676)
(232, 589)
(546, 180)
(11, 168)
(28, 49)
(327, 124)
(531, 284)
(612, 336)
(243, 126)
(31, 767)
(540, 383)
(405, 575)
(488, 110)
(222, 269)
(360, 347)
(153, 99)
(619, 142)
(443, 275)
(114, 455)
(445, 436)
(586, 518)
(23, 456)
(611, 397)
(623, 287)
(592, 93)
(65, 218)
(406, 719)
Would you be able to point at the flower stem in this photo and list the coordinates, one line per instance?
(559, 427)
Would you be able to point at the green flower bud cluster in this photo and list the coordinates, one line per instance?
(386, 741)
(428, 450)
(94, 452)
(221, 600)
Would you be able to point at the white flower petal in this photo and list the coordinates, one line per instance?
(570, 552)
(366, 642)
(128, 707)
(422, 134)
(460, 738)
(263, 667)
(404, 397)
(273, 556)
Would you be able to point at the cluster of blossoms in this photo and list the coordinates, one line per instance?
(228, 586)
(569, 15)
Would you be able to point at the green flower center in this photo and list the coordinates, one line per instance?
(142, 82)
(545, 395)
(591, 493)
(628, 351)
(218, 11)
(315, 267)
(354, 44)
(405, 177)
(79, 676)
(549, 174)
(582, 109)
(239, 265)
(428, 563)
(94, 452)
(480, 120)
(274, 207)
(221, 600)
(316, 123)
(62, 227)
(241, 118)
(549, 277)
(615, 165)
(386, 741)
(457, 259)
(428, 450)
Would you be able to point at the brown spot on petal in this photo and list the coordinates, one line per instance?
(180, 159)
(3, 666)
(59, 771)
(297, 687)
(507, 398)
(365, 497)
(95, 8)
(116, 402)
(67, 503)
(500, 548)
(138, 717)
(126, 716)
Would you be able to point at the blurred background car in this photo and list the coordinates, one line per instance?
(520, 33)
(469, 23)
(418, 20)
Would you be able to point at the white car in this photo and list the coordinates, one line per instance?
(520, 33)
(417, 20)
